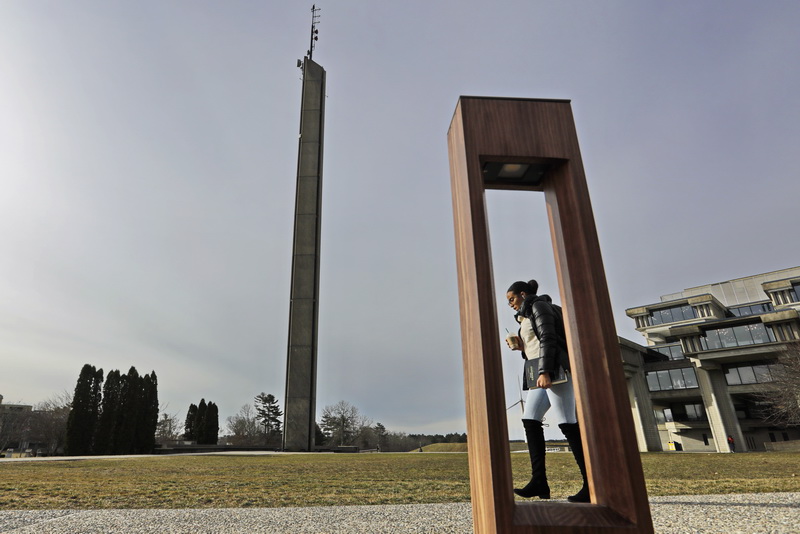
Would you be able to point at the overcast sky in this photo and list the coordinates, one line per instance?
(148, 153)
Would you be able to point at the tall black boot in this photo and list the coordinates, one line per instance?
(537, 487)
(573, 434)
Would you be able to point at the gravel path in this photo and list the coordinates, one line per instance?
(729, 514)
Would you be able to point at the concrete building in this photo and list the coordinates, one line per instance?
(708, 350)
(13, 425)
(13, 408)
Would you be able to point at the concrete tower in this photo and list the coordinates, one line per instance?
(301, 361)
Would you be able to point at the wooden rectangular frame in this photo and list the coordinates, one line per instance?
(535, 131)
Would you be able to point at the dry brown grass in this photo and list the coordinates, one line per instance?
(347, 479)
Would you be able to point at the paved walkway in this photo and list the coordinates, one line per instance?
(776, 513)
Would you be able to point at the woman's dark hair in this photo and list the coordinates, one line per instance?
(530, 287)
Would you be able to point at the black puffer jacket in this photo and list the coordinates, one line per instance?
(548, 325)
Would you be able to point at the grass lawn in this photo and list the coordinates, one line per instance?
(347, 479)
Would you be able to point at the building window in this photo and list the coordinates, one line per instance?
(703, 310)
(752, 309)
(672, 315)
(690, 377)
(736, 336)
(747, 374)
(667, 380)
(652, 382)
(692, 343)
(762, 374)
(695, 412)
(685, 412)
(784, 331)
(785, 436)
(659, 415)
(785, 296)
(710, 340)
(727, 338)
(772, 437)
(676, 378)
(750, 374)
(664, 381)
(732, 377)
(673, 352)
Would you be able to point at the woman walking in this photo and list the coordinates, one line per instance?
(542, 336)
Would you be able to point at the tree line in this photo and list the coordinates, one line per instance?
(341, 424)
(118, 417)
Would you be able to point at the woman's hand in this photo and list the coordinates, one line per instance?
(544, 381)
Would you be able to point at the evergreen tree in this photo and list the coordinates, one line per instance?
(269, 415)
(153, 408)
(211, 426)
(188, 426)
(83, 416)
(107, 423)
(274, 415)
(380, 435)
(200, 422)
(96, 405)
(319, 435)
(129, 412)
(261, 410)
(146, 423)
(118, 418)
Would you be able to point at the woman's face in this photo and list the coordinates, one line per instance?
(515, 300)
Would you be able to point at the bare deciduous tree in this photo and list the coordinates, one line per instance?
(244, 427)
(168, 428)
(344, 425)
(49, 422)
(782, 396)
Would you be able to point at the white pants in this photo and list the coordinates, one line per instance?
(560, 397)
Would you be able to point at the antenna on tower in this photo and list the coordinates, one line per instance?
(314, 30)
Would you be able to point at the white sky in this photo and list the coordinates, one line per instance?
(148, 154)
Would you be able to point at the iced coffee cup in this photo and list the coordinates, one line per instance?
(513, 341)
